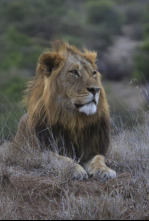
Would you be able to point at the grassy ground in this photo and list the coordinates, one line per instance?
(36, 186)
(39, 187)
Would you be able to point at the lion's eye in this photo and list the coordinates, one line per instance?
(74, 73)
(94, 73)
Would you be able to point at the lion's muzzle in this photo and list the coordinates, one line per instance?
(89, 107)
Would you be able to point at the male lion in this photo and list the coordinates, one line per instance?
(67, 111)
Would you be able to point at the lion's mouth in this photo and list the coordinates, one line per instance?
(82, 105)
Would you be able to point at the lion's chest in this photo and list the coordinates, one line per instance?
(74, 145)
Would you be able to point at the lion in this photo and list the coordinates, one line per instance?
(67, 111)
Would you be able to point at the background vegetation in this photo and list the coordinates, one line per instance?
(118, 30)
(33, 186)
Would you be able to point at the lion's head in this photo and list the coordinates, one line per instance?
(67, 88)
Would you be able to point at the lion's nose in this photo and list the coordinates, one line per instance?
(93, 90)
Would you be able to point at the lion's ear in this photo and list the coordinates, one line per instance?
(91, 56)
(47, 62)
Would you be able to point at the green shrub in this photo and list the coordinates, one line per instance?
(141, 72)
(19, 50)
(146, 14)
(15, 38)
(104, 13)
(134, 14)
(12, 59)
(12, 89)
(15, 11)
(146, 31)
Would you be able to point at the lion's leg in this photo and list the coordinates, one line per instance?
(96, 167)
(78, 173)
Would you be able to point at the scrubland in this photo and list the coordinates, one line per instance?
(34, 185)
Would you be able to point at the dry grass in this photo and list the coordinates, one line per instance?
(36, 186)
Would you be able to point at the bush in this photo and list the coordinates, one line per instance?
(15, 11)
(146, 14)
(134, 14)
(146, 31)
(104, 13)
(18, 50)
(15, 38)
(142, 63)
(12, 85)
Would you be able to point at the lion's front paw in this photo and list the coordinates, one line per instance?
(79, 173)
(98, 169)
(105, 173)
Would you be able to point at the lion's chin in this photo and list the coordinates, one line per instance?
(88, 109)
